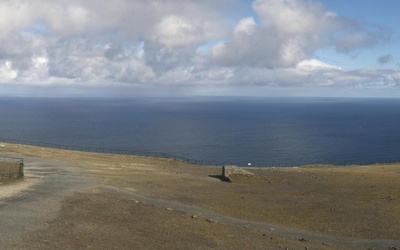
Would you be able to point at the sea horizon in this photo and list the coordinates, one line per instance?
(277, 131)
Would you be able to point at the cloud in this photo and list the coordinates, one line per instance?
(315, 65)
(157, 43)
(384, 59)
(358, 38)
(6, 71)
(291, 31)
(288, 32)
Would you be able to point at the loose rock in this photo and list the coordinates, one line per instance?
(211, 221)
(230, 171)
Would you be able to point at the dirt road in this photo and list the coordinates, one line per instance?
(26, 205)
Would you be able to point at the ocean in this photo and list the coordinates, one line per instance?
(261, 131)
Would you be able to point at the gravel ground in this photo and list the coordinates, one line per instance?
(26, 205)
(75, 200)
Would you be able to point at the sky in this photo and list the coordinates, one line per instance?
(190, 47)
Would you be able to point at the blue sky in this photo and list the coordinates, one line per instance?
(190, 47)
(375, 12)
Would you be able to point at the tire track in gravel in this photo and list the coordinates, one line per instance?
(53, 181)
(284, 231)
(40, 202)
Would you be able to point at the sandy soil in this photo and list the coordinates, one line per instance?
(328, 207)
(11, 189)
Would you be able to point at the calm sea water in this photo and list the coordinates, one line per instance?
(259, 130)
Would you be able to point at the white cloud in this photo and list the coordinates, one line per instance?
(6, 72)
(293, 16)
(175, 30)
(157, 42)
(246, 25)
(315, 65)
(288, 32)
(291, 31)
(14, 15)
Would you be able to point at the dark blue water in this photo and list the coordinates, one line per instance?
(258, 130)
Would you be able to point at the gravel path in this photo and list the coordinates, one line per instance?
(289, 232)
(50, 181)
